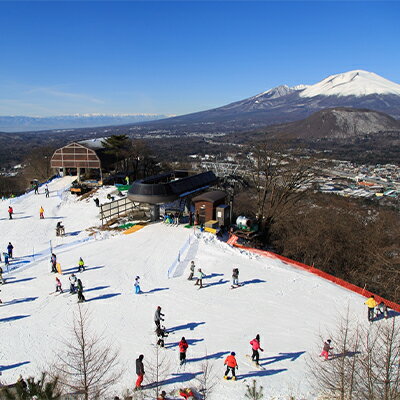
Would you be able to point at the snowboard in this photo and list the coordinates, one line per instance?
(59, 270)
(258, 366)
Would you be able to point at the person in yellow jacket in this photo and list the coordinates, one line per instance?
(41, 212)
(371, 304)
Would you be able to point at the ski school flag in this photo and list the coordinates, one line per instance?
(59, 270)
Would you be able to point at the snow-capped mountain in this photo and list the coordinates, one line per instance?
(354, 89)
(25, 123)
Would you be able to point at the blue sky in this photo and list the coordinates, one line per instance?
(180, 57)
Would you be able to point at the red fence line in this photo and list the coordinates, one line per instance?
(324, 275)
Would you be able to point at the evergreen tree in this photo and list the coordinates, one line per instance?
(253, 392)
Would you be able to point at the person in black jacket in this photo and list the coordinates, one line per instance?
(139, 371)
(158, 317)
(79, 286)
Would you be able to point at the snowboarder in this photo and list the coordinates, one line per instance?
(81, 297)
(161, 334)
(10, 212)
(200, 277)
(158, 317)
(183, 346)
(231, 365)
(192, 267)
(58, 286)
(41, 212)
(325, 350)
(382, 309)
(235, 277)
(371, 304)
(255, 345)
(139, 371)
(72, 283)
(81, 265)
(10, 250)
(46, 190)
(137, 285)
(53, 261)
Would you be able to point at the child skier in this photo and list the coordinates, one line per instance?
(10, 248)
(72, 283)
(371, 304)
(10, 212)
(235, 277)
(325, 351)
(382, 309)
(255, 345)
(183, 346)
(161, 334)
(200, 277)
(192, 267)
(58, 286)
(53, 261)
(231, 365)
(41, 212)
(81, 265)
(137, 285)
(79, 286)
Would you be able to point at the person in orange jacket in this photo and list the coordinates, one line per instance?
(371, 304)
(231, 365)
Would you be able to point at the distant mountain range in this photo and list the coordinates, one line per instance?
(355, 89)
(24, 123)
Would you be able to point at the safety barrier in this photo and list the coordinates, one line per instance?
(179, 259)
(340, 282)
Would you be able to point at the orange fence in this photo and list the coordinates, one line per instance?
(324, 275)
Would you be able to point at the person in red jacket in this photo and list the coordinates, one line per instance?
(186, 393)
(255, 345)
(183, 346)
(10, 212)
(231, 365)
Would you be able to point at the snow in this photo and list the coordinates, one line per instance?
(352, 83)
(288, 307)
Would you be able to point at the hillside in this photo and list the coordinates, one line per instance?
(288, 307)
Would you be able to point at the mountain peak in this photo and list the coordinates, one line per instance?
(352, 83)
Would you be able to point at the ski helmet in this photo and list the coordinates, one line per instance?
(233, 353)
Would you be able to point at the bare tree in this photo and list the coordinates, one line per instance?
(87, 364)
(207, 379)
(157, 371)
(279, 181)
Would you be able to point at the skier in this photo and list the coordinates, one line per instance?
(53, 261)
(183, 346)
(1, 276)
(139, 371)
(81, 297)
(255, 345)
(72, 283)
(161, 334)
(325, 351)
(10, 250)
(10, 212)
(382, 309)
(371, 304)
(36, 188)
(97, 202)
(46, 190)
(81, 265)
(41, 212)
(231, 365)
(58, 286)
(235, 277)
(137, 285)
(186, 393)
(60, 230)
(192, 267)
(200, 277)
(6, 259)
(158, 317)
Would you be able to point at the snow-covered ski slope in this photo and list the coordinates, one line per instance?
(286, 306)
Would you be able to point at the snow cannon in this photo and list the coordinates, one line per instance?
(243, 223)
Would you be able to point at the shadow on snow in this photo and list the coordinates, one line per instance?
(14, 318)
(252, 281)
(190, 325)
(20, 280)
(281, 357)
(267, 372)
(214, 356)
(74, 270)
(104, 296)
(96, 288)
(12, 366)
(191, 342)
(17, 301)
(156, 290)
